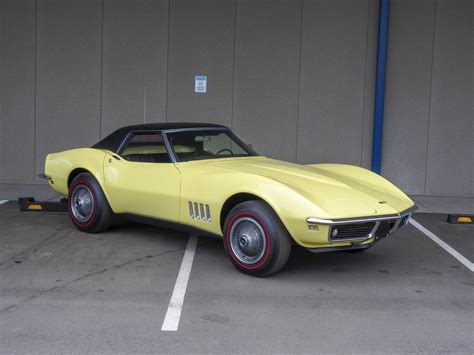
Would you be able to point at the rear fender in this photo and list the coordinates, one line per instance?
(59, 166)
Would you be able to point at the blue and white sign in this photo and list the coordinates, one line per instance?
(200, 84)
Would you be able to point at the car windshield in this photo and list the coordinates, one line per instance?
(207, 144)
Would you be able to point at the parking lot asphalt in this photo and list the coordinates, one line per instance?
(62, 291)
(459, 236)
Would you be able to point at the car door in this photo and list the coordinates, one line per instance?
(142, 180)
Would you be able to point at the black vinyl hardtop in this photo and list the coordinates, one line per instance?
(114, 140)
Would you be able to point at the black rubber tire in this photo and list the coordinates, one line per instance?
(102, 214)
(278, 244)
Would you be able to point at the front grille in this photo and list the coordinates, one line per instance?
(384, 228)
(351, 231)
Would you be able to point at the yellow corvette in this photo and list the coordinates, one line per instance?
(203, 179)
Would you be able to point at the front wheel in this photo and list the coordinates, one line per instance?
(255, 239)
(87, 205)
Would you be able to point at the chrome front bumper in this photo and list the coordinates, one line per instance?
(382, 225)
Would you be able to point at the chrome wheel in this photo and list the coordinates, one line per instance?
(248, 240)
(82, 203)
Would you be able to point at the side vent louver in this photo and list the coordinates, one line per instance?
(199, 211)
(191, 209)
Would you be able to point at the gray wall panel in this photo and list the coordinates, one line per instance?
(201, 43)
(266, 75)
(101, 64)
(332, 81)
(407, 100)
(17, 76)
(450, 146)
(134, 62)
(68, 75)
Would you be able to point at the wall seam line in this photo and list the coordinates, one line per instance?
(101, 71)
(167, 61)
(233, 67)
(429, 95)
(365, 84)
(299, 83)
(35, 91)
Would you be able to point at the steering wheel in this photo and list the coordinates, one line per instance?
(225, 150)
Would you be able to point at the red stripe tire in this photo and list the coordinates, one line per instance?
(87, 205)
(255, 239)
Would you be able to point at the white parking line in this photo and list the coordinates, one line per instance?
(3, 201)
(462, 259)
(173, 314)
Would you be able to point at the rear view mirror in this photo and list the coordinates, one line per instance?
(202, 139)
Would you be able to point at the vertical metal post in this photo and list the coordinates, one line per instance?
(380, 86)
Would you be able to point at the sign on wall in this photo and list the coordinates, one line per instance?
(200, 84)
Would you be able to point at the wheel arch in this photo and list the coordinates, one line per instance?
(72, 175)
(97, 176)
(235, 200)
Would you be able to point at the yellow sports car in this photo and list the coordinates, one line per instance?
(203, 179)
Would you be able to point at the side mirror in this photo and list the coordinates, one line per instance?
(250, 146)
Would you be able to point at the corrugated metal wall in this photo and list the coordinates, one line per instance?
(429, 132)
(294, 78)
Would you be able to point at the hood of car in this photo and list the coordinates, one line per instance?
(338, 189)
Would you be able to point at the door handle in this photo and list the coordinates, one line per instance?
(115, 157)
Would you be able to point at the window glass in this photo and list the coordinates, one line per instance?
(146, 148)
(207, 144)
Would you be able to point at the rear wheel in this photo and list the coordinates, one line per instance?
(87, 205)
(255, 239)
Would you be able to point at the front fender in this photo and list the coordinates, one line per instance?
(292, 207)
